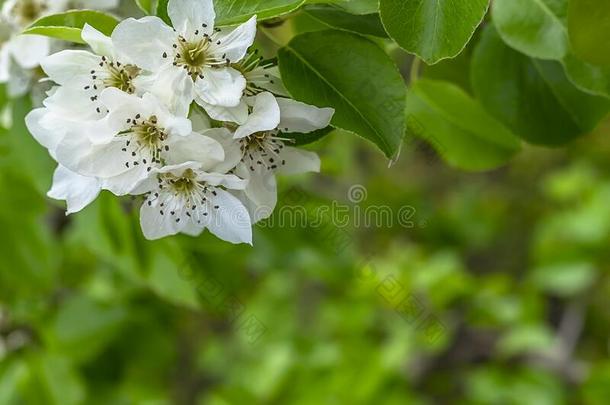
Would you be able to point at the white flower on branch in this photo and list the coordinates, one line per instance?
(264, 150)
(191, 61)
(189, 198)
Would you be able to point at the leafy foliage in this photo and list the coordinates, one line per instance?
(313, 70)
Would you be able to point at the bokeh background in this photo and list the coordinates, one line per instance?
(410, 284)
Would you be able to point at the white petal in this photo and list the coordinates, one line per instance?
(154, 225)
(220, 86)
(115, 99)
(100, 43)
(66, 66)
(5, 63)
(231, 221)
(173, 124)
(77, 153)
(144, 41)
(126, 182)
(229, 181)
(301, 117)
(262, 192)
(29, 50)
(172, 86)
(123, 106)
(238, 114)
(299, 161)
(234, 44)
(48, 138)
(20, 80)
(195, 147)
(231, 146)
(78, 191)
(265, 116)
(73, 103)
(257, 213)
(179, 169)
(187, 16)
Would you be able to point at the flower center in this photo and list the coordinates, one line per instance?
(144, 142)
(184, 184)
(115, 74)
(201, 52)
(183, 198)
(192, 56)
(148, 133)
(122, 77)
(264, 150)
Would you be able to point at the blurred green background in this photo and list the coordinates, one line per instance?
(476, 289)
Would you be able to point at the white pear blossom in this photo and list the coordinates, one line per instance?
(21, 54)
(83, 75)
(260, 76)
(265, 152)
(141, 135)
(191, 61)
(187, 198)
(121, 118)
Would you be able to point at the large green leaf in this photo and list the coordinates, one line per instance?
(334, 17)
(230, 12)
(432, 29)
(68, 25)
(588, 26)
(356, 6)
(538, 28)
(533, 97)
(534, 27)
(353, 75)
(460, 130)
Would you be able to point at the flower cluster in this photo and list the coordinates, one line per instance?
(20, 55)
(187, 116)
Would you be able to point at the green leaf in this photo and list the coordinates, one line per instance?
(68, 25)
(55, 381)
(432, 29)
(533, 27)
(147, 6)
(230, 12)
(83, 326)
(458, 127)
(588, 28)
(162, 11)
(538, 28)
(526, 339)
(359, 7)
(564, 279)
(533, 97)
(306, 139)
(355, 77)
(588, 77)
(367, 24)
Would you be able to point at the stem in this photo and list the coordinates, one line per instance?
(415, 69)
